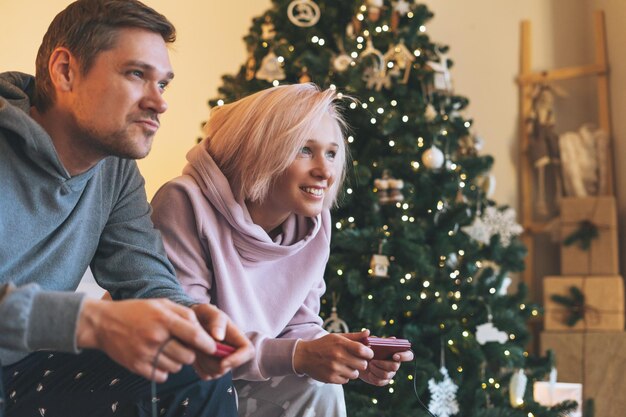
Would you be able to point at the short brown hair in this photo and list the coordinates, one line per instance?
(88, 27)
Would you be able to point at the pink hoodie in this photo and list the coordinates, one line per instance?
(270, 288)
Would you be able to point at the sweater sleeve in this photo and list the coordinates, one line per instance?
(130, 261)
(174, 216)
(39, 320)
(275, 355)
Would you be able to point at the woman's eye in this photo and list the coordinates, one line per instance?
(331, 155)
(305, 150)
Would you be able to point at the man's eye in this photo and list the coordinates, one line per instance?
(136, 73)
(163, 85)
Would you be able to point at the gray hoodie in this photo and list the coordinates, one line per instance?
(53, 226)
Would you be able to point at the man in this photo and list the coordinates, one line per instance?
(72, 197)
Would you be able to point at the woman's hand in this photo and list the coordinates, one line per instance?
(381, 372)
(335, 358)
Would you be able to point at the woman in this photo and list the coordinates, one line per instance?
(247, 227)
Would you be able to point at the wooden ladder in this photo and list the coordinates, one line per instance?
(526, 81)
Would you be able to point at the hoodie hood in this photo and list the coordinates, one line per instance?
(251, 241)
(16, 92)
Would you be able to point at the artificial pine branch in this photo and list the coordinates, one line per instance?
(575, 304)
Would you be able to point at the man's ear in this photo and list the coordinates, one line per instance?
(62, 66)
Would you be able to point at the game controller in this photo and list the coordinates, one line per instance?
(222, 350)
(385, 348)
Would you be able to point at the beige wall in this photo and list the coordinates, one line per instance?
(484, 40)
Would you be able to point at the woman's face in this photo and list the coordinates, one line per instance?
(302, 188)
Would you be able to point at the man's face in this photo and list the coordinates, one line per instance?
(116, 104)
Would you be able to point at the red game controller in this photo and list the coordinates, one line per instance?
(385, 348)
(222, 350)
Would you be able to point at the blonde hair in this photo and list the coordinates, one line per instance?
(255, 139)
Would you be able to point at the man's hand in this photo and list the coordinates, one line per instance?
(133, 332)
(334, 358)
(220, 328)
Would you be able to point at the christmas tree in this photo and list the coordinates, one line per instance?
(419, 250)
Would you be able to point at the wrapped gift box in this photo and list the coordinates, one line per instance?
(603, 303)
(597, 360)
(568, 351)
(601, 258)
(550, 394)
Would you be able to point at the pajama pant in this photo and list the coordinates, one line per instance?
(53, 384)
(290, 396)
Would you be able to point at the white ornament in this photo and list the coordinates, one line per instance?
(430, 113)
(441, 78)
(488, 184)
(478, 231)
(303, 13)
(433, 158)
(452, 261)
(341, 62)
(270, 69)
(443, 401)
(494, 222)
(487, 332)
(506, 282)
(517, 388)
(402, 7)
(334, 324)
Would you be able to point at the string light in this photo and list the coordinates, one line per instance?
(339, 272)
(394, 103)
(373, 120)
(220, 102)
(360, 39)
(380, 110)
(409, 15)
(352, 106)
(349, 191)
(364, 105)
(422, 28)
(405, 118)
(392, 143)
(275, 83)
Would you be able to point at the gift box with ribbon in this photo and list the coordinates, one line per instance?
(579, 303)
(589, 236)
